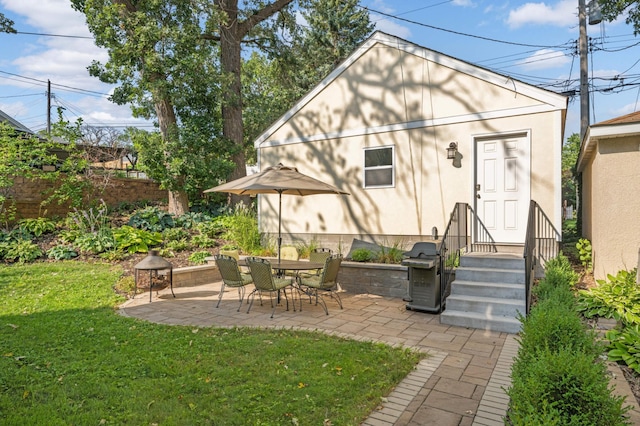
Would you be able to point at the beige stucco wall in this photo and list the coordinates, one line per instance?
(611, 184)
(386, 86)
(418, 106)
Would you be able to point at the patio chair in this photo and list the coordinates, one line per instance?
(265, 282)
(289, 253)
(231, 276)
(325, 282)
(318, 255)
(236, 255)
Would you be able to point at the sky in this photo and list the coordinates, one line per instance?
(534, 42)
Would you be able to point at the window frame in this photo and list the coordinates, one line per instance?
(366, 169)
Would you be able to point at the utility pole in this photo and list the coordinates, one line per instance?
(49, 105)
(584, 69)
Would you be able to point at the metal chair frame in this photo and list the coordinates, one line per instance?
(265, 282)
(231, 277)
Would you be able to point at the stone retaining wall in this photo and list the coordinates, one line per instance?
(354, 277)
(196, 275)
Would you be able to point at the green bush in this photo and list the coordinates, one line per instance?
(151, 219)
(362, 255)
(203, 241)
(191, 219)
(242, 227)
(624, 346)
(198, 257)
(565, 387)
(585, 252)
(177, 245)
(61, 253)
(95, 242)
(38, 226)
(617, 297)
(134, 240)
(20, 251)
(558, 377)
(171, 234)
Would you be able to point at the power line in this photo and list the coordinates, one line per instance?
(62, 86)
(53, 35)
(458, 32)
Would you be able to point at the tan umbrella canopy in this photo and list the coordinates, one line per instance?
(278, 180)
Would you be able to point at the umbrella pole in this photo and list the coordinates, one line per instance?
(279, 223)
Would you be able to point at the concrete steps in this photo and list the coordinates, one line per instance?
(488, 293)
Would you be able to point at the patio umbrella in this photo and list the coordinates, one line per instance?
(278, 180)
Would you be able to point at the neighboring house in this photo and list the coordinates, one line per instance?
(15, 123)
(608, 162)
(379, 127)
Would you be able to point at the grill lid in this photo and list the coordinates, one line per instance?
(422, 249)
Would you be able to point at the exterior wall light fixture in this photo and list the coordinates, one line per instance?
(452, 151)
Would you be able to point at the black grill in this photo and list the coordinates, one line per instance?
(423, 264)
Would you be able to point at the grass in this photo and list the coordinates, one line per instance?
(66, 357)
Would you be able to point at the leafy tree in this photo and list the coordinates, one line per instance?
(21, 155)
(6, 25)
(157, 55)
(570, 152)
(611, 9)
(294, 65)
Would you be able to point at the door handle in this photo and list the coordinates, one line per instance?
(478, 196)
(477, 187)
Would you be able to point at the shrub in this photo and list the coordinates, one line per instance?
(567, 386)
(585, 253)
(20, 251)
(198, 257)
(558, 377)
(212, 229)
(242, 227)
(191, 219)
(171, 234)
(618, 297)
(362, 255)
(90, 220)
(203, 241)
(37, 226)
(624, 346)
(391, 254)
(61, 253)
(151, 219)
(134, 240)
(177, 245)
(95, 242)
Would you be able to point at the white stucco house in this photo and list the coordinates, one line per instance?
(379, 127)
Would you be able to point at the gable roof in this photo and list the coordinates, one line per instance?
(553, 100)
(15, 123)
(625, 125)
(634, 117)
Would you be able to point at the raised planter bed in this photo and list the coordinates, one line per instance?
(381, 279)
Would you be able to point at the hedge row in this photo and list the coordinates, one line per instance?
(558, 377)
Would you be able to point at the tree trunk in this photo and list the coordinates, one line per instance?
(230, 60)
(178, 200)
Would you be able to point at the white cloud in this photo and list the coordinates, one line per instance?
(560, 14)
(544, 59)
(464, 3)
(51, 16)
(623, 110)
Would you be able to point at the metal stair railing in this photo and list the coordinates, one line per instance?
(465, 233)
(542, 243)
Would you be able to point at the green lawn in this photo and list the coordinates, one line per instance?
(67, 358)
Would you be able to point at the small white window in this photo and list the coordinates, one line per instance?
(379, 167)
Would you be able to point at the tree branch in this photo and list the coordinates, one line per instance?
(264, 13)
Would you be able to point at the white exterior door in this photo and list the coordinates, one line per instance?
(503, 187)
